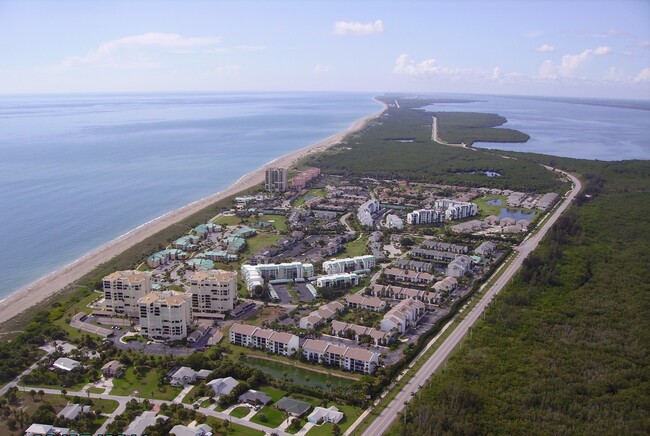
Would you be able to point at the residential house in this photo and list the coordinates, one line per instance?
(72, 411)
(140, 423)
(66, 364)
(254, 397)
(222, 386)
(193, 429)
(459, 266)
(113, 369)
(360, 301)
(184, 376)
(324, 313)
(321, 414)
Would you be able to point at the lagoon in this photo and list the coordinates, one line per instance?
(296, 374)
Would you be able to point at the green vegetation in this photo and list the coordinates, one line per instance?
(269, 416)
(311, 193)
(275, 393)
(358, 247)
(240, 412)
(470, 127)
(373, 152)
(145, 383)
(565, 347)
(20, 409)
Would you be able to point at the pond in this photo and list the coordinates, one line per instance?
(516, 214)
(494, 202)
(297, 375)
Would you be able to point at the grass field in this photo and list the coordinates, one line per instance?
(357, 247)
(146, 386)
(228, 220)
(274, 417)
(275, 393)
(240, 412)
(279, 222)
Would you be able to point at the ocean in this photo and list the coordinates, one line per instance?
(77, 171)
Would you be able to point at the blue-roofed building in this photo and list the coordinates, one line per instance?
(235, 244)
(165, 256)
(203, 229)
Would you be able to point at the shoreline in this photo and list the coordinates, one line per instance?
(54, 282)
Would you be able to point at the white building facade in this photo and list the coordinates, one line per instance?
(213, 291)
(123, 289)
(165, 315)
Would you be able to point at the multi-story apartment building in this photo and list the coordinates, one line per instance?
(349, 358)
(366, 212)
(338, 280)
(123, 289)
(425, 216)
(213, 291)
(281, 343)
(349, 264)
(165, 315)
(256, 275)
(276, 179)
(403, 315)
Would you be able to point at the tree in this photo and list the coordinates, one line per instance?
(41, 393)
(32, 393)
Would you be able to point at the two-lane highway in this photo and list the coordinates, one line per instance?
(383, 422)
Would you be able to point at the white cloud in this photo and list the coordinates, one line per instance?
(570, 63)
(643, 76)
(357, 28)
(323, 68)
(169, 41)
(404, 65)
(545, 48)
(644, 44)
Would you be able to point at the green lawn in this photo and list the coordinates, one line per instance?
(351, 414)
(274, 417)
(355, 248)
(81, 306)
(228, 220)
(485, 209)
(240, 412)
(260, 241)
(275, 393)
(307, 399)
(146, 386)
(96, 390)
(279, 222)
(233, 429)
(312, 192)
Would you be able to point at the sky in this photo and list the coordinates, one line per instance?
(594, 48)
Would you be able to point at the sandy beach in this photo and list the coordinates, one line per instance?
(59, 279)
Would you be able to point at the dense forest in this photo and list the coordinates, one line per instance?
(398, 145)
(565, 349)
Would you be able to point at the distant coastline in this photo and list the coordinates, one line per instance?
(56, 281)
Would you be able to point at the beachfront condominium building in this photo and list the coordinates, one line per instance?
(123, 289)
(165, 315)
(213, 291)
(276, 179)
(349, 264)
(443, 209)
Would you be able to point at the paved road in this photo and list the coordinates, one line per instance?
(383, 422)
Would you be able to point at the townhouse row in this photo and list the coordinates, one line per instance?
(274, 342)
(348, 358)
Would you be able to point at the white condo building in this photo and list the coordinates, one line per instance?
(276, 180)
(256, 275)
(123, 289)
(274, 342)
(444, 209)
(165, 315)
(213, 291)
(366, 211)
(350, 264)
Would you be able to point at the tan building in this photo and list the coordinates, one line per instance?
(165, 315)
(213, 291)
(123, 289)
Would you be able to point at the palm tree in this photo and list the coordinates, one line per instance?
(41, 393)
